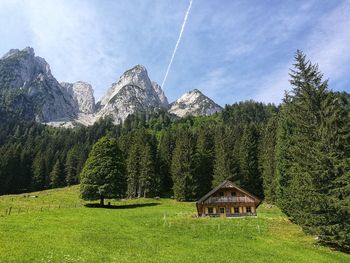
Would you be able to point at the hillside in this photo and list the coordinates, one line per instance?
(57, 227)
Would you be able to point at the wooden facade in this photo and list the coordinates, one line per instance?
(227, 200)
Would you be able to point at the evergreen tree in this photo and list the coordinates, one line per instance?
(204, 161)
(147, 173)
(313, 156)
(269, 160)
(221, 165)
(133, 170)
(56, 175)
(165, 150)
(182, 167)
(103, 175)
(249, 161)
(39, 172)
(226, 165)
(72, 166)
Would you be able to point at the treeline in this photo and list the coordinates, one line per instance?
(192, 155)
(35, 157)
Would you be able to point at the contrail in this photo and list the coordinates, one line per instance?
(177, 43)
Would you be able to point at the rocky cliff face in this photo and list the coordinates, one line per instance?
(82, 96)
(161, 95)
(30, 90)
(132, 93)
(194, 103)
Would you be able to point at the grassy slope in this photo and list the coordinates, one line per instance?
(146, 231)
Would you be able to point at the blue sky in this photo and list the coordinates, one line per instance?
(231, 50)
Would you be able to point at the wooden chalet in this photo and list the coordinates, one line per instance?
(227, 200)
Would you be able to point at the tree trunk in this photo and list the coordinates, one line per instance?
(102, 201)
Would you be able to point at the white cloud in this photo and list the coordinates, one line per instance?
(233, 51)
(328, 46)
(68, 34)
(272, 88)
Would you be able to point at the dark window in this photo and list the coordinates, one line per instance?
(236, 210)
(221, 193)
(222, 210)
(249, 209)
(233, 194)
(210, 210)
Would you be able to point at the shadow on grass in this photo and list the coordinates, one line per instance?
(120, 206)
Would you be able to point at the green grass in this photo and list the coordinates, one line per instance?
(146, 230)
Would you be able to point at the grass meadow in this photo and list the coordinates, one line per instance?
(58, 227)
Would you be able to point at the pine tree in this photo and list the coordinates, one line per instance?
(133, 170)
(138, 141)
(313, 156)
(269, 160)
(71, 167)
(249, 160)
(165, 150)
(226, 165)
(204, 161)
(104, 173)
(182, 167)
(147, 173)
(333, 184)
(39, 172)
(56, 175)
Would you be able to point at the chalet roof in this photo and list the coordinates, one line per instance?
(226, 183)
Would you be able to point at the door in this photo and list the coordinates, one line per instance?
(222, 210)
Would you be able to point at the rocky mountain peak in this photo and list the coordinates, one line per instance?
(30, 51)
(194, 103)
(39, 95)
(13, 52)
(132, 93)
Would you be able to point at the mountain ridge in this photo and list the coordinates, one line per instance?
(43, 99)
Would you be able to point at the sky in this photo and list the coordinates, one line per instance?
(230, 50)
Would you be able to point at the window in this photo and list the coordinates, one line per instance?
(222, 210)
(236, 209)
(221, 193)
(233, 194)
(249, 210)
(210, 210)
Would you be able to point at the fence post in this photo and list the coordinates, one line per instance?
(10, 210)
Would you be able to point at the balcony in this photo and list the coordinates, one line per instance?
(231, 215)
(228, 199)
